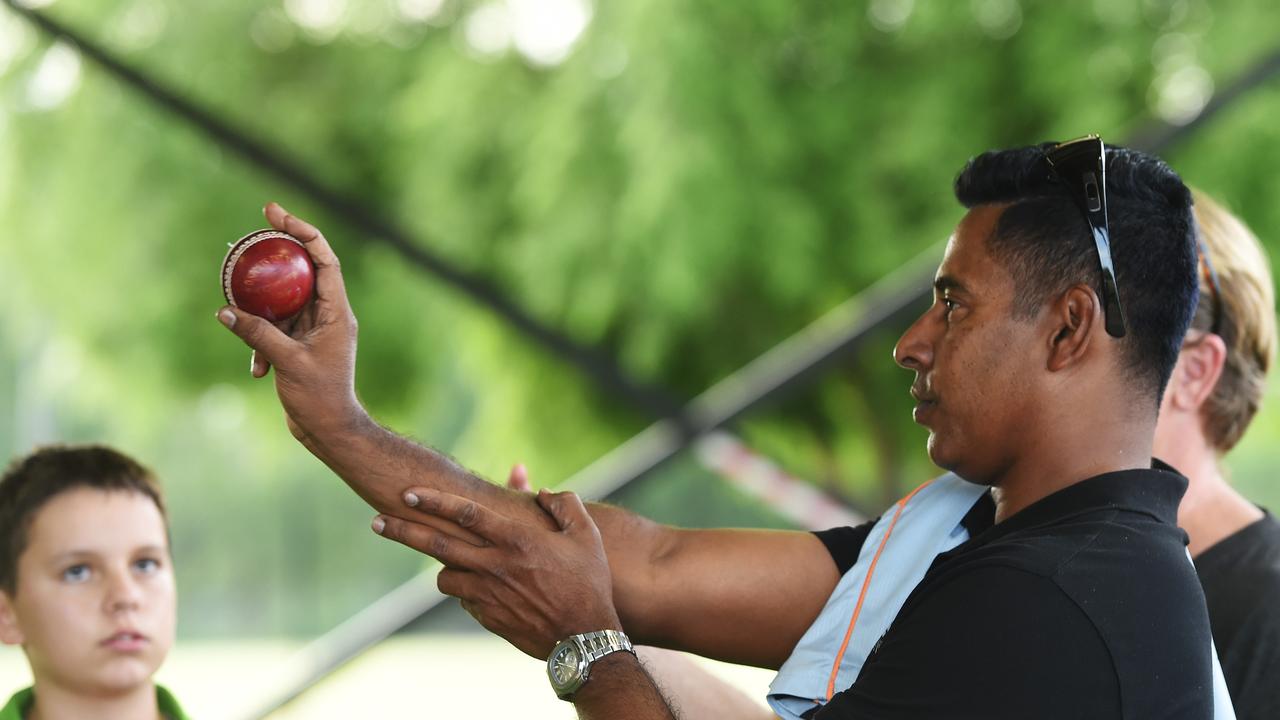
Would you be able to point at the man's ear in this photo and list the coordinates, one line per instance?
(1199, 367)
(10, 633)
(1071, 320)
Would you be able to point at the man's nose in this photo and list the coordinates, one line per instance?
(914, 350)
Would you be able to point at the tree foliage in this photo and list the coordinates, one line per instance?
(692, 184)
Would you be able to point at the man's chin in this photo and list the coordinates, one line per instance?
(938, 452)
(947, 457)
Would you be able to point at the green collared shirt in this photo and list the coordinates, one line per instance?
(20, 705)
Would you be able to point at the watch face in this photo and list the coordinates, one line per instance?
(565, 666)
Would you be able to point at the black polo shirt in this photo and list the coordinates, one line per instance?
(1241, 580)
(1083, 605)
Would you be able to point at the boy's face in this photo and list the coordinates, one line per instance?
(95, 603)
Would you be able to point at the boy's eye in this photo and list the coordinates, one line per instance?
(147, 565)
(76, 574)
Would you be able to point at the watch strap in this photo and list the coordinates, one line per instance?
(599, 643)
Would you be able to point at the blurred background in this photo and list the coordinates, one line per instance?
(559, 221)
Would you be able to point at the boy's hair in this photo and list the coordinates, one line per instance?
(1247, 320)
(34, 480)
(1042, 238)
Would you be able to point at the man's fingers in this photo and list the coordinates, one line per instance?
(266, 339)
(445, 526)
(567, 509)
(460, 511)
(461, 584)
(329, 284)
(430, 541)
(308, 234)
(258, 365)
(519, 479)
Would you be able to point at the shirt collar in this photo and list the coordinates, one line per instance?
(169, 706)
(1155, 492)
(981, 516)
(20, 705)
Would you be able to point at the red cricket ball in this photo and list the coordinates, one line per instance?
(268, 273)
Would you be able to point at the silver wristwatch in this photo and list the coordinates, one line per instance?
(569, 666)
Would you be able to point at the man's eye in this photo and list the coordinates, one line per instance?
(76, 574)
(948, 304)
(147, 565)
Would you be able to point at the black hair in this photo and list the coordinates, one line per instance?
(1044, 241)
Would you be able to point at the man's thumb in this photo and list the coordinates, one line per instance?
(565, 507)
(257, 333)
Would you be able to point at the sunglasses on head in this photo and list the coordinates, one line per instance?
(1081, 166)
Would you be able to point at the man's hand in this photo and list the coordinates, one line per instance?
(315, 353)
(534, 587)
(531, 585)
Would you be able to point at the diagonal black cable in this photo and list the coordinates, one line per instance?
(654, 401)
(1159, 137)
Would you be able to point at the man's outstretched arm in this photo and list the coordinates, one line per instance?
(743, 596)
